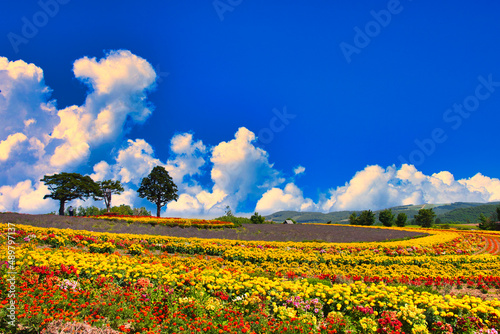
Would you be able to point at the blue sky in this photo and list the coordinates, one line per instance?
(380, 103)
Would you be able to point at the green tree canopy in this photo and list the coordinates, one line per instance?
(109, 187)
(257, 219)
(353, 219)
(66, 187)
(228, 212)
(158, 188)
(425, 217)
(401, 219)
(386, 217)
(366, 218)
(487, 223)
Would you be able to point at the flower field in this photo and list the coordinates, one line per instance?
(183, 222)
(128, 283)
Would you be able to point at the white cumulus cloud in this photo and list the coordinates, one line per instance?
(9, 144)
(37, 139)
(290, 198)
(299, 170)
(375, 188)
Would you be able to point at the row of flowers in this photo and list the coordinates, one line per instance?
(437, 243)
(183, 222)
(281, 299)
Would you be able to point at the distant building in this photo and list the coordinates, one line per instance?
(288, 221)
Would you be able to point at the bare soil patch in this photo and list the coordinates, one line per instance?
(248, 232)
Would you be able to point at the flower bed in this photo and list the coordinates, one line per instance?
(131, 284)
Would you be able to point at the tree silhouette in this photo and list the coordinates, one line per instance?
(66, 187)
(158, 188)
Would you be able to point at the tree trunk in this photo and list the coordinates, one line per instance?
(107, 201)
(158, 209)
(61, 208)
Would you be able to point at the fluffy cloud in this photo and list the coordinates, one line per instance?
(135, 161)
(290, 198)
(204, 204)
(488, 187)
(119, 84)
(38, 139)
(7, 145)
(23, 104)
(187, 157)
(240, 172)
(120, 73)
(375, 188)
(241, 169)
(25, 197)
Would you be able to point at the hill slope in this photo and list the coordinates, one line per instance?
(459, 211)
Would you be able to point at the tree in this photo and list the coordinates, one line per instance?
(228, 212)
(123, 210)
(109, 187)
(366, 218)
(498, 213)
(89, 211)
(257, 219)
(401, 219)
(159, 188)
(486, 223)
(386, 217)
(353, 219)
(66, 187)
(425, 217)
(141, 212)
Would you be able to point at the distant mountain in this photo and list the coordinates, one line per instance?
(469, 214)
(459, 211)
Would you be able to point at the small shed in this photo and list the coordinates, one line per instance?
(288, 221)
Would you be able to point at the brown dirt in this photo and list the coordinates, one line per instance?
(264, 232)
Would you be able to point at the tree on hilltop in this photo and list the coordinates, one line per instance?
(158, 188)
(109, 187)
(66, 187)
